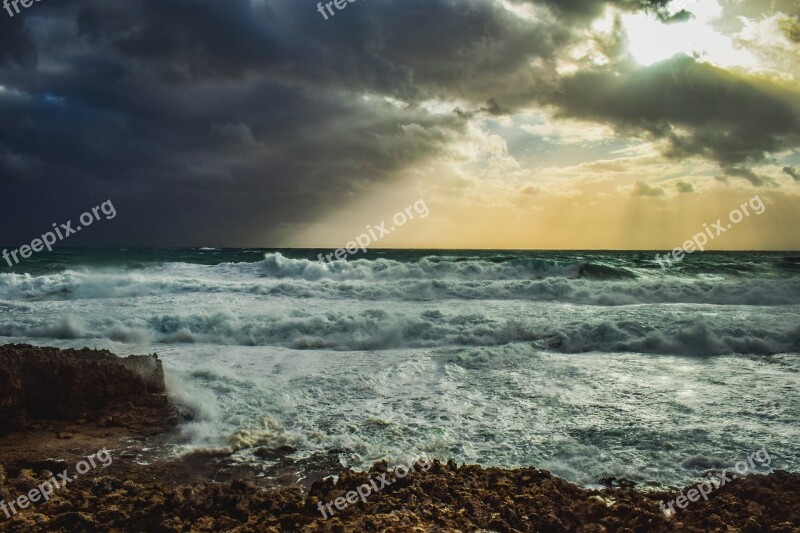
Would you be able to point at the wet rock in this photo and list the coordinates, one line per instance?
(48, 383)
(272, 454)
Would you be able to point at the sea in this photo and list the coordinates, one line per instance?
(592, 365)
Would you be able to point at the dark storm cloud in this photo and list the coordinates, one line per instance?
(212, 122)
(17, 47)
(791, 171)
(201, 161)
(186, 39)
(410, 49)
(700, 109)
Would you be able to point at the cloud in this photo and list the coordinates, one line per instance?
(493, 108)
(472, 52)
(684, 187)
(791, 171)
(643, 189)
(745, 173)
(17, 47)
(700, 109)
(791, 27)
(680, 16)
(586, 10)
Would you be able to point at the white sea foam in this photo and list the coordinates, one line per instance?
(429, 279)
(308, 324)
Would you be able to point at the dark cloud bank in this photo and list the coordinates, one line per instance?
(232, 123)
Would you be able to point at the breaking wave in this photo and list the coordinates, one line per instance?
(375, 329)
(431, 278)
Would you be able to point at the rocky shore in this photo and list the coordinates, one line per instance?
(58, 407)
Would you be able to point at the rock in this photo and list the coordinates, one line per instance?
(467, 499)
(274, 453)
(52, 384)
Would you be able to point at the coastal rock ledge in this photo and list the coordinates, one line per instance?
(92, 385)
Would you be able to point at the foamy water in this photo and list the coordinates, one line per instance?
(589, 365)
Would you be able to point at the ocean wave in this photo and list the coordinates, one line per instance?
(695, 333)
(275, 265)
(187, 279)
(89, 284)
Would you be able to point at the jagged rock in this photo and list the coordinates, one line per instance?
(49, 383)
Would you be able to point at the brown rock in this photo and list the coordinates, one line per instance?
(48, 383)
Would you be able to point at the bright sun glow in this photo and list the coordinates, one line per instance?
(651, 41)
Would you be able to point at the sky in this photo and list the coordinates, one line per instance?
(522, 124)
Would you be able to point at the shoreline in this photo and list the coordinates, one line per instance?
(59, 406)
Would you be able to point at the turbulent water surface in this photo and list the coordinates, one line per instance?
(588, 364)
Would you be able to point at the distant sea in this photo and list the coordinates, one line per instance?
(589, 364)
